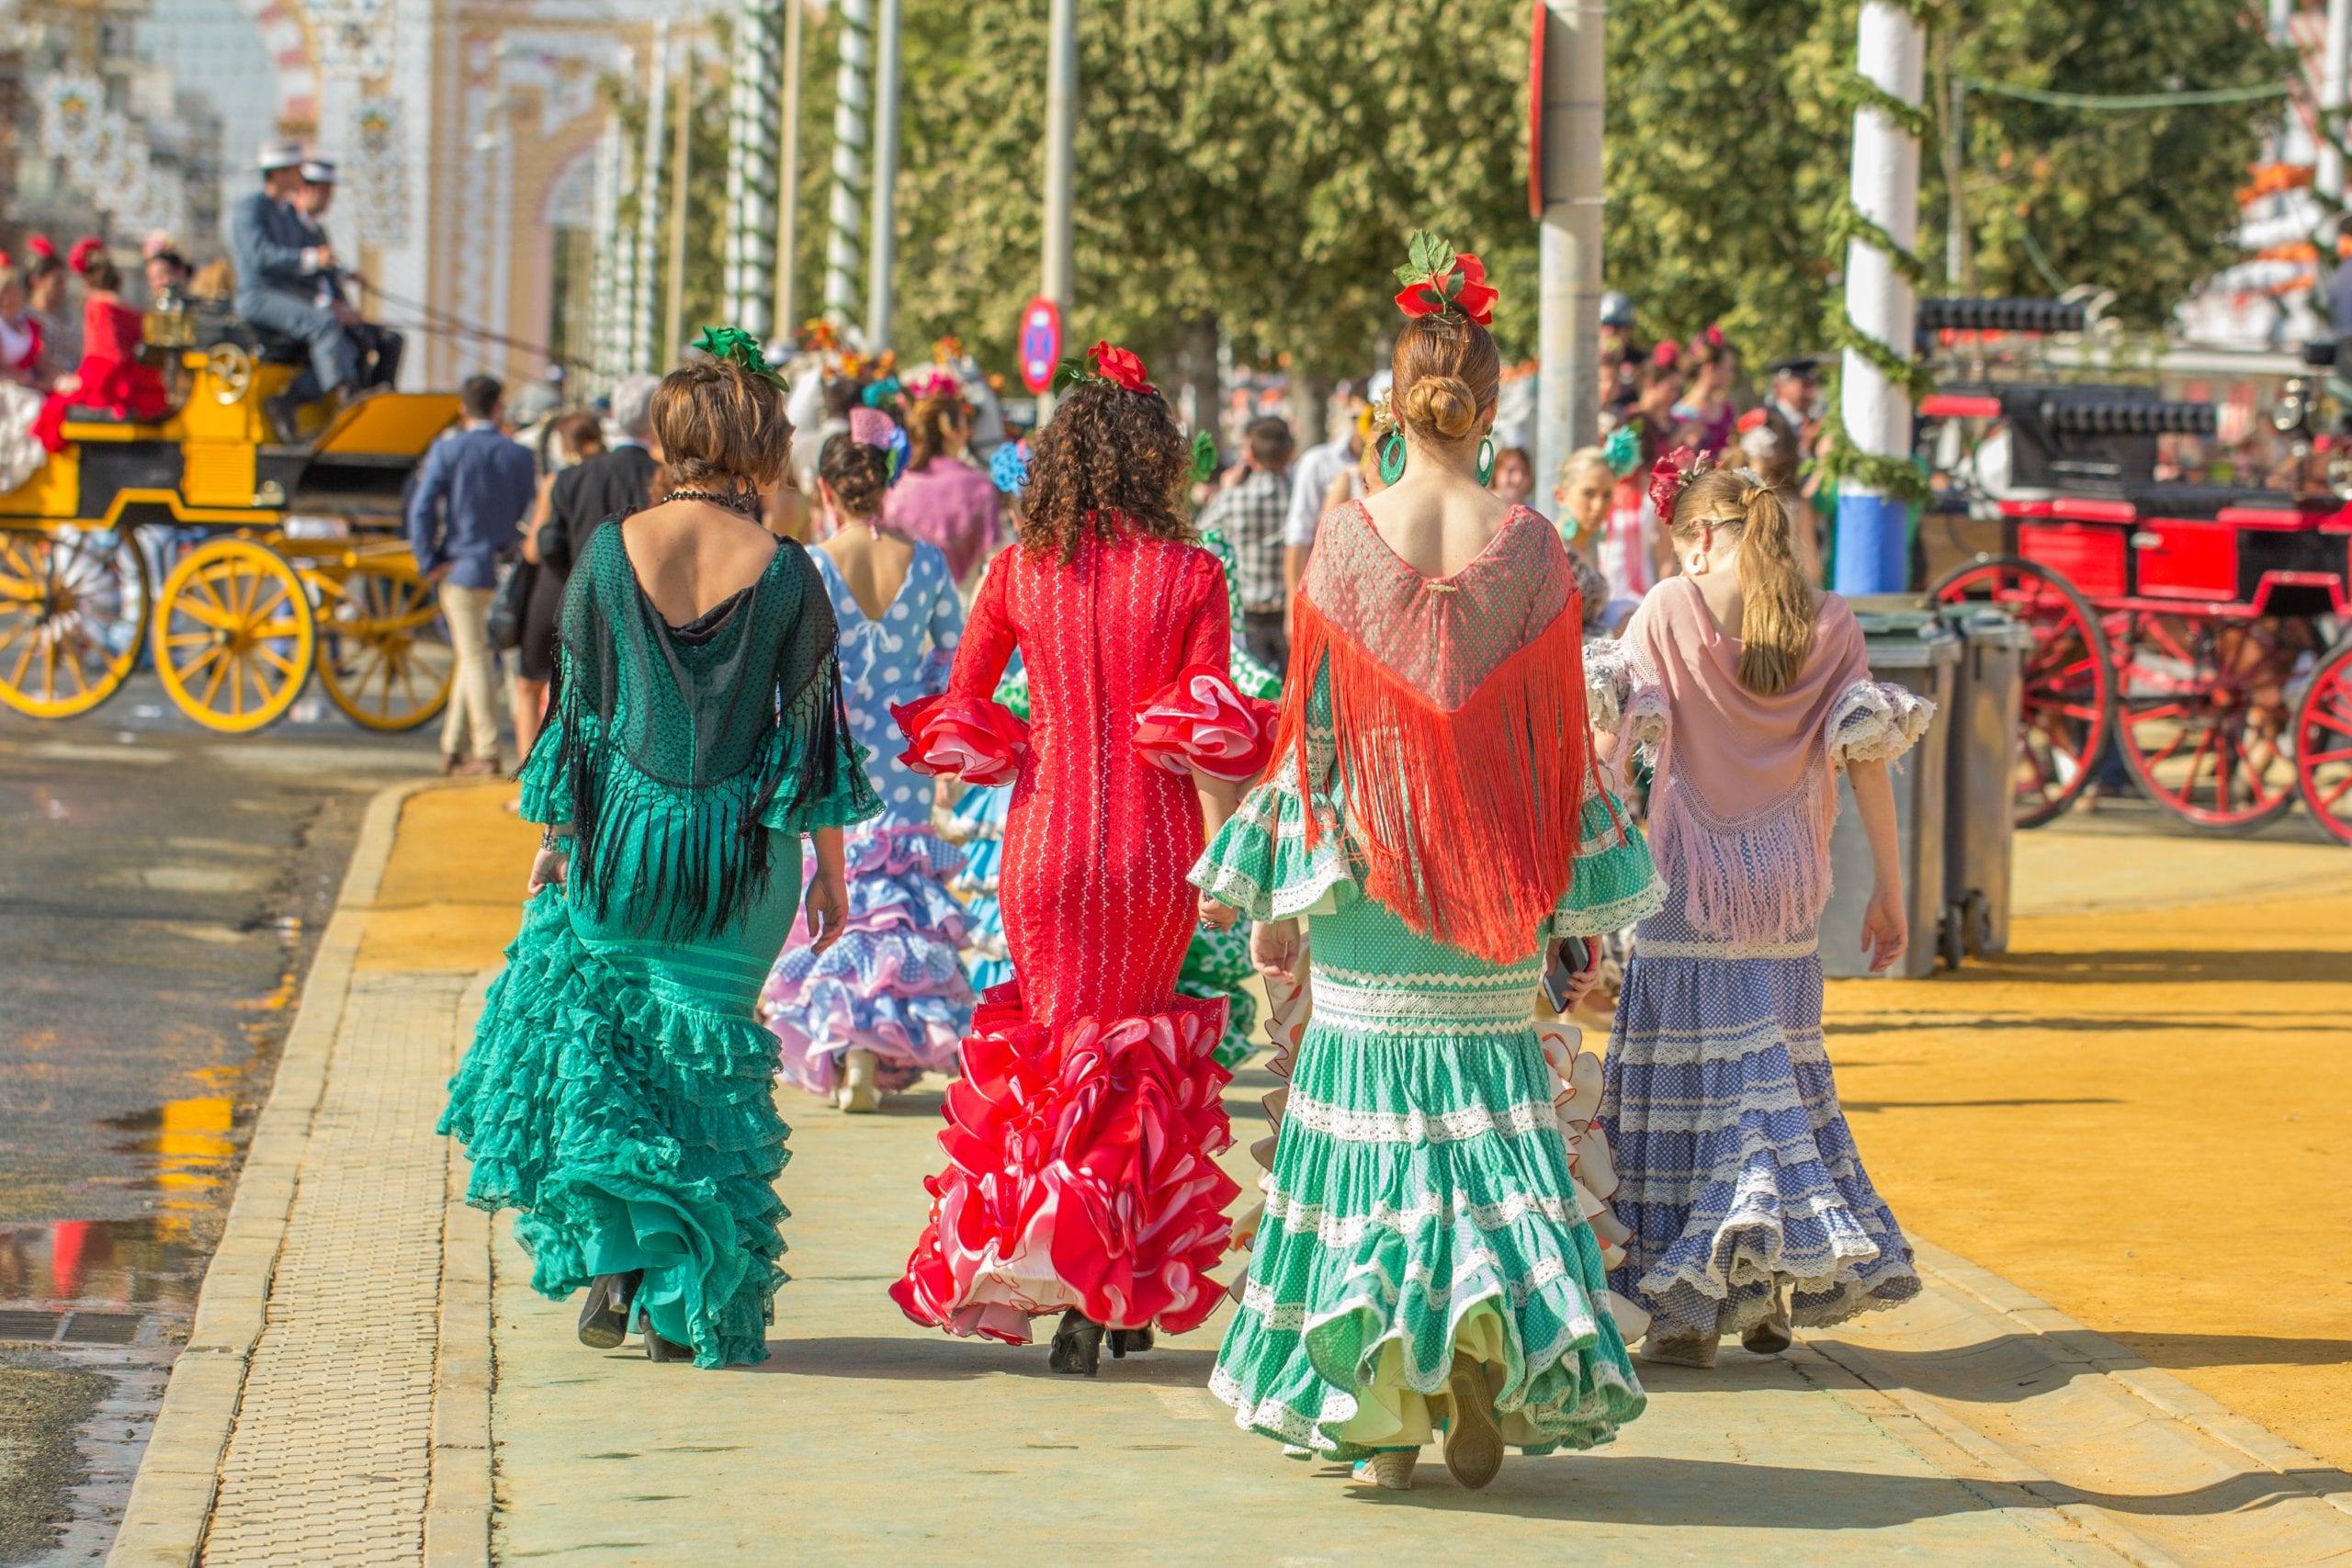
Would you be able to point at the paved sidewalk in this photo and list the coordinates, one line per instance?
(371, 1380)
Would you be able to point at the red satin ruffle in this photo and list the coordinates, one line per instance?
(979, 741)
(1199, 719)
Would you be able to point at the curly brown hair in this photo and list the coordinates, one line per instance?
(1106, 453)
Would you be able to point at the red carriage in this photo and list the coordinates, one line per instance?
(2192, 633)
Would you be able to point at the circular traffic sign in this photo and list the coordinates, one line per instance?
(1041, 342)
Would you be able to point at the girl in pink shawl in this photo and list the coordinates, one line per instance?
(1748, 690)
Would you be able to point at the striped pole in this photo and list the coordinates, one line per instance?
(644, 331)
(754, 131)
(607, 265)
(850, 115)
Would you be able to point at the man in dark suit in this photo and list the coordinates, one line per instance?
(279, 271)
(611, 484)
(378, 348)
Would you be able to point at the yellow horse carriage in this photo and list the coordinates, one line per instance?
(275, 561)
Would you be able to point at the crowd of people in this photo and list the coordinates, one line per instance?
(1106, 724)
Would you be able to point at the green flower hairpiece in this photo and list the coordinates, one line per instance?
(739, 349)
(1204, 457)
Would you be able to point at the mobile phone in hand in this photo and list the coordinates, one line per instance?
(1564, 961)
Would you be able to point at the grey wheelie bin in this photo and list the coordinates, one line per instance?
(1980, 767)
(1909, 646)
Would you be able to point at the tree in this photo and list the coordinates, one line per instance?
(1254, 165)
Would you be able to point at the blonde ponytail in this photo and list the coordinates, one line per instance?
(1776, 611)
(1776, 603)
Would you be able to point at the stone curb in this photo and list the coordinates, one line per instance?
(459, 1501)
(171, 1501)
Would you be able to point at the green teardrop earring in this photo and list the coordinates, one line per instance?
(1485, 459)
(1392, 459)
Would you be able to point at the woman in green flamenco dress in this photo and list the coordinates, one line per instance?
(1423, 1261)
(619, 1091)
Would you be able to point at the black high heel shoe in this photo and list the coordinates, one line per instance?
(1078, 1344)
(1124, 1340)
(657, 1348)
(604, 1317)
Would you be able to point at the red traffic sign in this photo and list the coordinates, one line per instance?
(1041, 342)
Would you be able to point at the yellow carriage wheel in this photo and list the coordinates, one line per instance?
(234, 635)
(71, 604)
(385, 657)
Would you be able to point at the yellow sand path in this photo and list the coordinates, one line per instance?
(2142, 1113)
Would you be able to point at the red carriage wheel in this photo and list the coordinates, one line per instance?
(2204, 715)
(2324, 743)
(2069, 705)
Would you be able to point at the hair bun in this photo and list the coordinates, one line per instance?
(1441, 405)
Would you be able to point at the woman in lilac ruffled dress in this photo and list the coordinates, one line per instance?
(889, 1003)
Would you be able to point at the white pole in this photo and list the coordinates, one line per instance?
(787, 236)
(1872, 529)
(1061, 131)
(2336, 75)
(753, 131)
(1567, 395)
(641, 328)
(850, 113)
(882, 230)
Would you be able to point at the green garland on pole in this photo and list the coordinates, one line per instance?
(1837, 459)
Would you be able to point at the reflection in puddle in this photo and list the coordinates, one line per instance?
(193, 1146)
(136, 1262)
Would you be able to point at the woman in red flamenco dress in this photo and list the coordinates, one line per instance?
(1080, 1139)
(111, 374)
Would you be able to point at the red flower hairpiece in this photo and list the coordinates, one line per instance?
(938, 383)
(79, 257)
(1713, 336)
(1437, 280)
(6, 261)
(39, 246)
(1107, 362)
(1667, 352)
(1752, 420)
(1669, 474)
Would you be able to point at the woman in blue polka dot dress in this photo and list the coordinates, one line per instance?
(890, 1001)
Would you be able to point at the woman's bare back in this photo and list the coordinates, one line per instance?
(1438, 525)
(875, 563)
(691, 556)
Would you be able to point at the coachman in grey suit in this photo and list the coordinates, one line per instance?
(278, 274)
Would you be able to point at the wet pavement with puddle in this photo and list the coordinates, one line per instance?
(161, 889)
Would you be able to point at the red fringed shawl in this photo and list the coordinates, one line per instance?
(1459, 704)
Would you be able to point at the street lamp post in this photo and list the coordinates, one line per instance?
(850, 106)
(882, 228)
(1570, 84)
(1061, 130)
(1873, 527)
(641, 331)
(788, 184)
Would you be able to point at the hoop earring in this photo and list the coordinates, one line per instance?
(1485, 459)
(1392, 459)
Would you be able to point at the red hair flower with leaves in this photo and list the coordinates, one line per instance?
(1107, 362)
(84, 251)
(1437, 280)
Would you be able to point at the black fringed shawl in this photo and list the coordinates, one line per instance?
(718, 722)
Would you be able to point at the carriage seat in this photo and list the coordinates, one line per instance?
(2155, 499)
(217, 326)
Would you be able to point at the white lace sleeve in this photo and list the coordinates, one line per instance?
(1622, 696)
(1875, 721)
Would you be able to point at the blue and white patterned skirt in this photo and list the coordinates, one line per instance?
(1739, 1175)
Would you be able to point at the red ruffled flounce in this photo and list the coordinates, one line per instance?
(1202, 720)
(1080, 1173)
(979, 741)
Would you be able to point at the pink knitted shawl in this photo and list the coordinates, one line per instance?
(1746, 792)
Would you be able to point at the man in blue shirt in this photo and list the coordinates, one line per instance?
(465, 520)
(278, 274)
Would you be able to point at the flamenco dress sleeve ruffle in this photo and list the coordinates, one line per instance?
(1265, 861)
